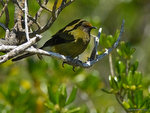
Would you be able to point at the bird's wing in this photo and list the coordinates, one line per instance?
(59, 38)
(64, 35)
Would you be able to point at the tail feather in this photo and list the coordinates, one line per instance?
(23, 56)
(28, 55)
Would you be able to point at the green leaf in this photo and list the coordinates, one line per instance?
(75, 110)
(132, 51)
(62, 95)
(131, 103)
(129, 93)
(51, 95)
(146, 102)
(106, 91)
(110, 81)
(110, 41)
(138, 98)
(120, 67)
(107, 41)
(125, 86)
(72, 95)
(134, 66)
(113, 82)
(126, 105)
(103, 40)
(123, 78)
(137, 78)
(119, 81)
(126, 50)
(49, 105)
(116, 35)
(130, 78)
(119, 51)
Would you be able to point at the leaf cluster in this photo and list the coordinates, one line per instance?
(126, 84)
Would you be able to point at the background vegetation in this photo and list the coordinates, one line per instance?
(23, 84)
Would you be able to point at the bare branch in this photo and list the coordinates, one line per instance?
(55, 14)
(33, 21)
(5, 9)
(2, 41)
(96, 43)
(18, 49)
(37, 15)
(111, 65)
(75, 62)
(26, 21)
(3, 26)
(18, 34)
(43, 5)
(19, 5)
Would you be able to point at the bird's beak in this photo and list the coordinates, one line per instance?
(94, 27)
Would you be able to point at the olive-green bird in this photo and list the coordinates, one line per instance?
(72, 40)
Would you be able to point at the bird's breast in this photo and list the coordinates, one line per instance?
(72, 49)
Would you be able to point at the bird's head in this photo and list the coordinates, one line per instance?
(79, 24)
(86, 26)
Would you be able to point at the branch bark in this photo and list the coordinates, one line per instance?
(22, 20)
(16, 49)
(68, 60)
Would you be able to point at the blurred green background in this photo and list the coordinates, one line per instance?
(23, 84)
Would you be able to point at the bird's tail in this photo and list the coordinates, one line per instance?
(28, 55)
(23, 56)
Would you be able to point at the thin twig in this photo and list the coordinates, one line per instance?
(68, 3)
(96, 43)
(127, 67)
(3, 26)
(18, 15)
(5, 9)
(43, 5)
(111, 65)
(62, 6)
(37, 15)
(116, 95)
(52, 19)
(34, 21)
(6, 30)
(26, 21)
(54, 16)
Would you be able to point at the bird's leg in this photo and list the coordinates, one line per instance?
(39, 56)
(73, 68)
(77, 58)
(63, 64)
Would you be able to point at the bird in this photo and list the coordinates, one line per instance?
(71, 40)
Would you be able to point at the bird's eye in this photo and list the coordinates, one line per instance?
(87, 25)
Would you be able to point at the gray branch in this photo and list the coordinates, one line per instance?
(74, 62)
(16, 50)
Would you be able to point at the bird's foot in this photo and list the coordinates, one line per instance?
(73, 68)
(63, 64)
(76, 60)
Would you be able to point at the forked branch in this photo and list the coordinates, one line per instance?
(68, 60)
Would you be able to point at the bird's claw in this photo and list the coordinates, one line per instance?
(73, 68)
(63, 64)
